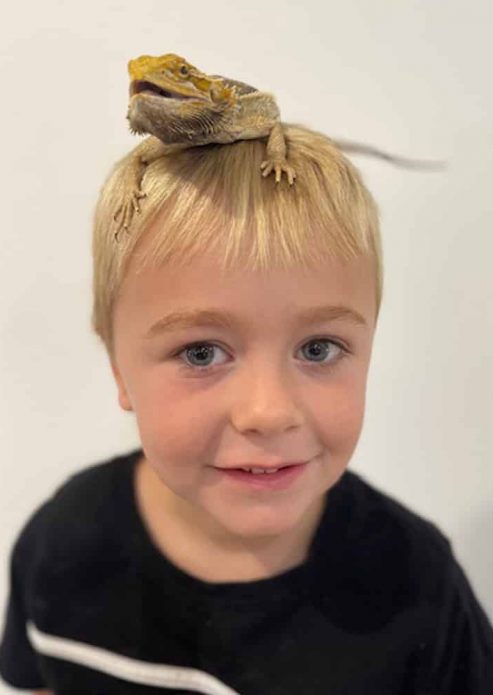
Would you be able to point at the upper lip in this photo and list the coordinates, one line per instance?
(264, 466)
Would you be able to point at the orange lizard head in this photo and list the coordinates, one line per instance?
(172, 77)
(172, 100)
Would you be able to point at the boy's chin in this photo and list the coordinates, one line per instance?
(255, 524)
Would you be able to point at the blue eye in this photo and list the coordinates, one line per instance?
(202, 351)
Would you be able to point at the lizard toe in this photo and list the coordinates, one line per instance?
(291, 174)
(278, 166)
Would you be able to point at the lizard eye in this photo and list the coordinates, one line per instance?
(183, 70)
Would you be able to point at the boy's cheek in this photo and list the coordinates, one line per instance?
(338, 419)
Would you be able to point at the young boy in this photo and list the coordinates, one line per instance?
(238, 315)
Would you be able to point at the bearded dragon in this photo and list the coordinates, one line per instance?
(179, 106)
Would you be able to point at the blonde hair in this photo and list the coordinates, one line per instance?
(214, 196)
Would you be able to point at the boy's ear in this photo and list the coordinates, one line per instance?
(123, 397)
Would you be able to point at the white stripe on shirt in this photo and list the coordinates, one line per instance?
(124, 667)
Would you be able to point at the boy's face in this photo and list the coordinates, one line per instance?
(276, 388)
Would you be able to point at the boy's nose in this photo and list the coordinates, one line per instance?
(268, 402)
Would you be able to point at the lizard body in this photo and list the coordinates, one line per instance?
(178, 107)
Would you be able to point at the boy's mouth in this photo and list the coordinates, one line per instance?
(272, 478)
(259, 468)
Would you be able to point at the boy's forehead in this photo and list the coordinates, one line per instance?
(203, 280)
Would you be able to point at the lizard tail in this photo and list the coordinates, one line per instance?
(404, 162)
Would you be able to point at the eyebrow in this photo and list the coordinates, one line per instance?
(190, 318)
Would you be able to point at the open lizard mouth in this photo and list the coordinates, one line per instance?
(138, 86)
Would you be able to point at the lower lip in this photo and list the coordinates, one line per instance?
(280, 480)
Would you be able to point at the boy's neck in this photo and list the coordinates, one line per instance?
(188, 546)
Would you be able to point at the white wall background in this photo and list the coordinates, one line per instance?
(410, 76)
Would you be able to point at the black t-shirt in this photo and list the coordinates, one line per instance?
(380, 607)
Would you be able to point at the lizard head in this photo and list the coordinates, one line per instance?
(167, 89)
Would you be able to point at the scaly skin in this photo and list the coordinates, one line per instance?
(178, 106)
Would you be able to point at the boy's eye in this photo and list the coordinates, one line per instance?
(199, 354)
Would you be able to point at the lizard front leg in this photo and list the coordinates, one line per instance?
(276, 156)
(149, 150)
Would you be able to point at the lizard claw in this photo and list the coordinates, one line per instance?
(117, 233)
(278, 166)
(124, 214)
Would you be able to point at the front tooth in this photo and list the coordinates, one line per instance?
(258, 471)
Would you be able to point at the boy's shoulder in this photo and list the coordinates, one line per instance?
(80, 518)
(384, 552)
(381, 513)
